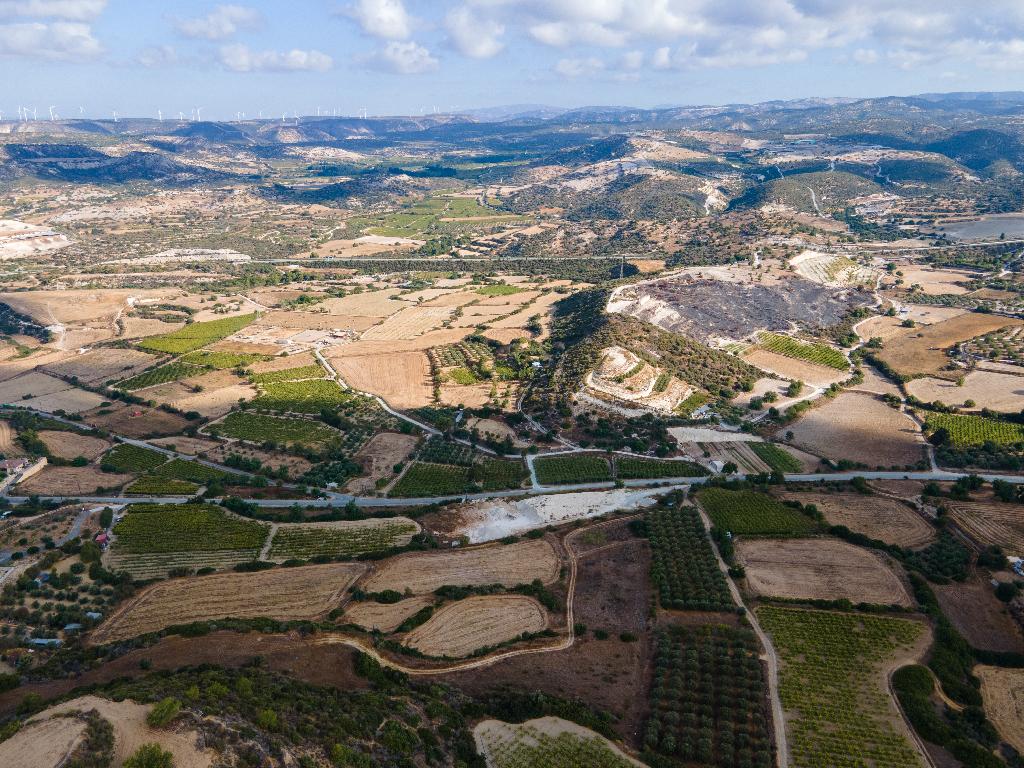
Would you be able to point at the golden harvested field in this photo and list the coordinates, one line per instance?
(460, 628)
(929, 315)
(296, 464)
(384, 617)
(859, 428)
(43, 744)
(991, 523)
(193, 446)
(34, 384)
(140, 327)
(1003, 692)
(881, 327)
(937, 281)
(319, 321)
(78, 306)
(408, 323)
(509, 564)
(71, 445)
(282, 593)
(448, 299)
(8, 443)
(402, 378)
(820, 569)
(875, 383)
(131, 731)
(101, 365)
(378, 458)
(219, 392)
(283, 363)
(988, 389)
(71, 481)
(436, 338)
(541, 306)
(924, 351)
(136, 420)
(796, 370)
(366, 304)
(71, 400)
(981, 617)
(876, 516)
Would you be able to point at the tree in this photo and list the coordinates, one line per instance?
(795, 388)
(150, 756)
(163, 712)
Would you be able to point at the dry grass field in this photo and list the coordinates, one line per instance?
(401, 378)
(876, 516)
(859, 428)
(296, 465)
(924, 351)
(988, 389)
(131, 731)
(509, 564)
(460, 628)
(408, 323)
(1003, 692)
(43, 744)
(32, 384)
(71, 481)
(136, 420)
(8, 441)
(283, 363)
(283, 594)
(384, 617)
(820, 569)
(980, 616)
(988, 523)
(101, 365)
(70, 445)
(881, 327)
(795, 370)
(938, 281)
(378, 458)
(193, 446)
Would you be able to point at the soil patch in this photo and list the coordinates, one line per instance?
(979, 615)
(878, 517)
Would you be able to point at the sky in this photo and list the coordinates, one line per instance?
(92, 57)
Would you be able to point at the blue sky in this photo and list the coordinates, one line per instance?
(404, 56)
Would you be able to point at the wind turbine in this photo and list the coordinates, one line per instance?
(35, 114)
(181, 116)
(53, 114)
(81, 111)
(115, 115)
(362, 112)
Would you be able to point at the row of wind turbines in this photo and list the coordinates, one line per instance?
(31, 114)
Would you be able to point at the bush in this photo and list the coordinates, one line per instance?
(163, 712)
(150, 756)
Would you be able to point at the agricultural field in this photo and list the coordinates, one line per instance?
(874, 516)
(990, 523)
(44, 744)
(966, 430)
(793, 369)
(143, 566)
(577, 468)
(460, 628)
(161, 375)
(289, 374)
(310, 396)
(132, 459)
(284, 594)
(752, 513)
(1003, 346)
(190, 471)
(378, 458)
(858, 428)
(384, 617)
(70, 445)
(196, 335)
(1003, 692)
(510, 564)
(833, 688)
(629, 467)
(923, 352)
(341, 538)
(708, 702)
(99, 366)
(155, 528)
(547, 742)
(820, 569)
(980, 389)
(684, 567)
(151, 485)
(812, 352)
(423, 479)
(259, 428)
(778, 459)
(72, 481)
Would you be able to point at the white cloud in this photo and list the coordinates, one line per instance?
(408, 58)
(222, 22)
(865, 56)
(472, 35)
(157, 56)
(579, 67)
(241, 58)
(59, 40)
(69, 10)
(386, 19)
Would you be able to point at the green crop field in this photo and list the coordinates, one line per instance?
(498, 289)
(301, 396)
(577, 468)
(749, 512)
(684, 568)
(822, 354)
(259, 428)
(131, 458)
(779, 459)
(185, 528)
(154, 485)
(831, 682)
(628, 468)
(191, 471)
(423, 479)
(289, 374)
(498, 474)
(161, 375)
(708, 700)
(306, 541)
(528, 747)
(222, 360)
(196, 335)
(966, 430)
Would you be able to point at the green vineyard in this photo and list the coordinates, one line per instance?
(966, 430)
(749, 512)
(185, 528)
(306, 541)
(196, 335)
(820, 354)
(578, 468)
